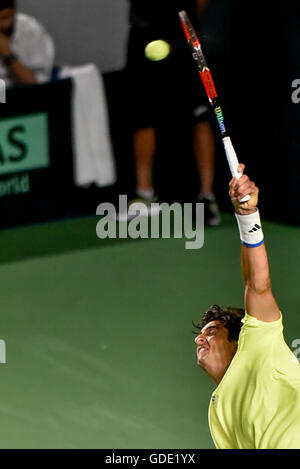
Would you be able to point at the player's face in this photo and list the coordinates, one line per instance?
(7, 16)
(214, 351)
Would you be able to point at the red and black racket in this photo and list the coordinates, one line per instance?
(210, 89)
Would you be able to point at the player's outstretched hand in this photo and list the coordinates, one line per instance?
(239, 188)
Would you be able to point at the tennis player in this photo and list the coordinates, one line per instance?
(256, 404)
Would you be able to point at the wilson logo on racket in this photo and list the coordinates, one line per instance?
(220, 118)
(255, 228)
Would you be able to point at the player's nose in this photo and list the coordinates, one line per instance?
(199, 339)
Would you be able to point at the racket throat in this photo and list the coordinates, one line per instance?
(220, 119)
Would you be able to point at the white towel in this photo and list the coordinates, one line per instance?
(94, 159)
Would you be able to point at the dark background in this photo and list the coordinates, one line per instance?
(253, 52)
(254, 56)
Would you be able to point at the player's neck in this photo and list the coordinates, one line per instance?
(217, 372)
(217, 378)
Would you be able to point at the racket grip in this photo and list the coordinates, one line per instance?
(233, 162)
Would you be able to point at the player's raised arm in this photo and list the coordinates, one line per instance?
(259, 300)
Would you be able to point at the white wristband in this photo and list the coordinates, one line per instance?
(251, 233)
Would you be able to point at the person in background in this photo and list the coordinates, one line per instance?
(152, 80)
(26, 49)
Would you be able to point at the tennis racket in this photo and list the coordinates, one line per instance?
(210, 89)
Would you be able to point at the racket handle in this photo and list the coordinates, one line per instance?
(233, 162)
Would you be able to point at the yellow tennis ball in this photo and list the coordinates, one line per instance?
(157, 50)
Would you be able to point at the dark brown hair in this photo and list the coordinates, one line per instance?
(231, 318)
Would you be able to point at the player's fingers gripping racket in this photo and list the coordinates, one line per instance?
(211, 92)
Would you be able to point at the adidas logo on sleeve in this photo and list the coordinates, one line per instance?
(255, 228)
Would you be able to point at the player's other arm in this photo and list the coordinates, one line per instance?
(19, 72)
(259, 299)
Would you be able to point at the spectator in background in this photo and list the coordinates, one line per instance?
(26, 50)
(152, 80)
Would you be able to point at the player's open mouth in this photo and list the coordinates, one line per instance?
(202, 349)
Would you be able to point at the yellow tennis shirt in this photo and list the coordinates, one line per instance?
(257, 403)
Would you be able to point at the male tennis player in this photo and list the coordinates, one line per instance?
(256, 404)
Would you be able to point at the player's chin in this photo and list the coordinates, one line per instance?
(202, 357)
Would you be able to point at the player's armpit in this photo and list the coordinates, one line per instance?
(261, 305)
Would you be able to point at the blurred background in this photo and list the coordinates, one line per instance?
(253, 58)
(99, 30)
(98, 333)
